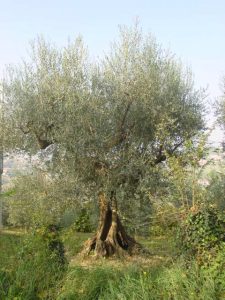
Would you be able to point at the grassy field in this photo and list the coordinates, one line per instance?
(10, 242)
(160, 275)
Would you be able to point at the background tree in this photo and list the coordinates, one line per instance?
(220, 105)
(116, 120)
(1, 160)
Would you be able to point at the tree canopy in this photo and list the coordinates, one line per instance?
(220, 106)
(115, 118)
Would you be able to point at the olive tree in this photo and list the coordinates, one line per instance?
(1, 160)
(220, 106)
(146, 109)
(116, 119)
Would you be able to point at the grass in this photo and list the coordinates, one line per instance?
(74, 241)
(174, 282)
(29, 270)
(157, 277)
(9, 244)
(163, 245)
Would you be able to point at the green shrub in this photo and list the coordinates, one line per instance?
(165, 219)
(202, 230)
(50, 235)
(216, 269)
(83, 223)
(216, 190)
(68, 218)
(39, 199)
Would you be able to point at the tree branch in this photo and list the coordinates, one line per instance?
(121, 132)
(161, 156)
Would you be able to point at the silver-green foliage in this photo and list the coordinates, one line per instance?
(220, 105)
(39, 200)
(38, 93)
(115, 118)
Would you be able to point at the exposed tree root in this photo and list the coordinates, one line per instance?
(111, 238)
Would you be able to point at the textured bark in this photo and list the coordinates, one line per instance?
(111, 238)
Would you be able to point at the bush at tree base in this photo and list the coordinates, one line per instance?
(202, 232)
(50, 235)
(83, 222)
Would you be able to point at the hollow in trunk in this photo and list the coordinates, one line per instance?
(111, 237)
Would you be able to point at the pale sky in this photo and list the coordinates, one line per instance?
(194, 30)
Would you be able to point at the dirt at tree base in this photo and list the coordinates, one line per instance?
(143, 261)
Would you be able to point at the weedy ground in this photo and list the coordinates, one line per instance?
(160, 275)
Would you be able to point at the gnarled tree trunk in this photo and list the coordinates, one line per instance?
(111, 238)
